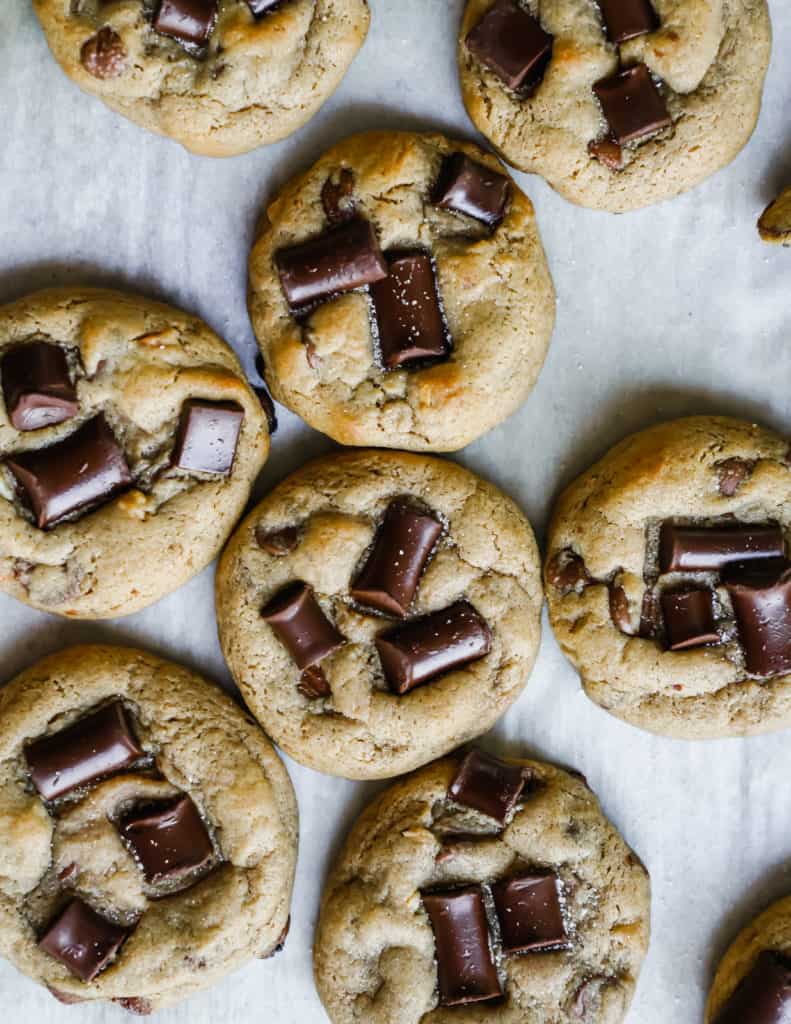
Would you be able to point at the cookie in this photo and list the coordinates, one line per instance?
(495, 886)
(129, 442)
(379, 608)
(400, 294)
(668, 582)
(149, 830)
(774, 225)
(219, 76)
(617, 104)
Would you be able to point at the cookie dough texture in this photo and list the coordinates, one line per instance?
(775, 223)
(374, 956)
(259, 81)
(496, 291)
(137, 361)
(204, 746)
(487, 555)
(607, 517)
(711, 55)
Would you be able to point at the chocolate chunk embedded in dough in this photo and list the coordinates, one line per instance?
(82, 940)
(689, 619)
(512, 43)
(633, 106)
(188, 21)
(298, 620)
(465, 965)
(468, 187)
(710, 549)
(763, 996)
(208, 436)
(169, 839)
(408, 312)
(104, 55)
(488, 785)
(627, 19)
(37, 387)
(761, 598)
(529, 912)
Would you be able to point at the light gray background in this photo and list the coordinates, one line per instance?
(676, 309)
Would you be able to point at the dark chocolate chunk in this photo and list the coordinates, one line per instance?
(488, 785)
(466, 186)
(633, 106)
(426, 648)
(337, 197)
(296, 617)
(104, 55)
(689, 619)
(608, 153)
(512, 43)
(188, 21)
(169, 839)
(313, 684)
(763, 996)
(408, 312)
(207, 437)
(566, 571)
(732, 473)
(277, 542)
(343, 258)
(95, 746)
(528, 909)
(261, 7)
(620, 611)
(627, 19)
(37, 388)
(761, 598)
(710, 549)
(82, 940)
(268, 406)
(391, 575)
(85, 470)
(466, 969)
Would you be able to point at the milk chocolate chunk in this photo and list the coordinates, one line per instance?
(488, 785)
(763, 996)
(689, 619)
(627, 19)
(313, 683)
(296, 617)
(761, 598)
(83, 940)
(466, 186)
(512, 43)
(426, 648)
(37, 388)
(408, 312)
(466, 969)
(261, 7)
(528, 909)
(337, 196)
(188, 21)
(403, 545)
(207, 437)
(95, 746)
(104, 55)
(710, 549)
(85, 470)
(566, 571)
(633, 106)
(169, 839)
(342, 259)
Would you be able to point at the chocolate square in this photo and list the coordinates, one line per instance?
(37, 388)
(465, 965)
(82, 940)
(408, 313)
(529, 912)
(298, 620)
(627, 19)
(208, 436)
(689, 619)
(633, 106)
(169, 840)
(512, 44)
(761, 598)
(712, 548)
(488, 785)
(763, 996)
(468, 187)
(187, 21)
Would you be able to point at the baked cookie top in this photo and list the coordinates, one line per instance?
(129, 442)
(219, 76)
(379, 608)
(668, 582)
(618, 105)
(400, 294)
(149, 830)
(485, 891)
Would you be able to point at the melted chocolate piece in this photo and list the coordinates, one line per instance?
(296, 617)
(761, 598)
(188, 21)
(268, 406)
(528, 909)
(337, 197)
(403, 545)
(82, 940)
(104, 55)
(277, 542)
(95, 746)
(37, 388)
(342, 259)
(313, 684)
(732, 473)
(763, 996)
(566, 571)
(512, 43)
(627, 19)
(710, 549)
(632, 104)
(466, 969)
(424, 649)
(466, 186)
(85, 470)
(689, 619)
(408, 312)
(608, 153)
(620, 612)
(169, 840)
(207, 436)
(488, 785)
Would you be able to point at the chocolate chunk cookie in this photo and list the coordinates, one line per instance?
(400, 294)
(379, 608)
(129, 442)
(148, 830)
(669, 583)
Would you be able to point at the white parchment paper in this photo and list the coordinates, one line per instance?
(673, 310)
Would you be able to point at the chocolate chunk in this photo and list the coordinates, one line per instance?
(466, 969)
(627, 19)
(566, 571)
(136, 1005)
(188, 21)
(337, 197)
(78, 474)
(169, 839)
(466, 186)
(104, 55)
(391, 575)
(512, 43)
(296, 617)
(732, 473)
(37, 388)
(761, 598)
(95, 746)
(763, 996)
(426, 648)
(277, 542)
(620, 612)
(313, 684)
(632, 104)
(528, 909)
(268, 406)
(82, 940)
(608, 153)
(342, 259)
(408, 312)
(261, 7)
(710, 549)
(689, 619)
(488, 785)
(207, 437)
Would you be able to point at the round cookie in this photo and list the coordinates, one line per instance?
(499, 886)
(377, 609)
(220, 76)
(668, 583)
(400, 294)
(617, 105)
(129, 442)
(124, 779)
